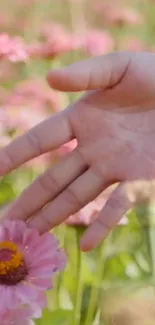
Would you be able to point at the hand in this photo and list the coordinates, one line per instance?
(114, 124)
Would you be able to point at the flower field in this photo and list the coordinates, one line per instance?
(113, 284)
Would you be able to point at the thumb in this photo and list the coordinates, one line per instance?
(99, 72)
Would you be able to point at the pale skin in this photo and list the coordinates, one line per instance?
(114, 124)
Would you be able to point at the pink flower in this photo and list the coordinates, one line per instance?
(118, 15)
(90, 212)
(12, 49)
(21, 118)
(25, 313)
(66, 148)
(133, 44)
(98, 42)
(35, 93)
(27, 263)
(57, 40)
(53, 47)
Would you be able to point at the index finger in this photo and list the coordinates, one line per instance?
(46, 136)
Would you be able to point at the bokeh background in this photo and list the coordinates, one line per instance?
(115, 283)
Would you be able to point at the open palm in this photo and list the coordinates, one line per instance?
(114, 124)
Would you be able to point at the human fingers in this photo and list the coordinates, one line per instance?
(83, 190)
(46, 136)
(116, 206)
(47, 186)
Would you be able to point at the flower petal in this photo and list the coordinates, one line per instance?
(43, 284)
(11, 297)
(24, 322)
(3, 303)
(36, 309)
(42, 271)
(15, 230)
(30, 238)
(47, 243)
(26, 292)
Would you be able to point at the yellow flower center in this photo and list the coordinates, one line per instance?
(10, 257)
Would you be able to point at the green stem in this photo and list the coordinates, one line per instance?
(94, 297)
(142, 213)
(79, 284)
(57, 293)
(151, 234)
(146, 216)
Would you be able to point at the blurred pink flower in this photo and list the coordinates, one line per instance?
(133, 44)
(57, 154)
(57, 41)
(3, 94)
(66, 148)
(40, 163)
(90, 212)
(54, 31)
(35, 93)
(27, 263)
(12, 49)
(25, 313)
(52, 48)
(20, 118)
(118, 15)
(98, 42)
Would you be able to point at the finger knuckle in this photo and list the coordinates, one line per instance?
(47, 221)
(90, 80)
(72, 199)
(115, 203)
(10, 158)
(49, 183)
(34, 142)
(104, 224)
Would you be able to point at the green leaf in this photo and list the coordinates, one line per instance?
(57, 317)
